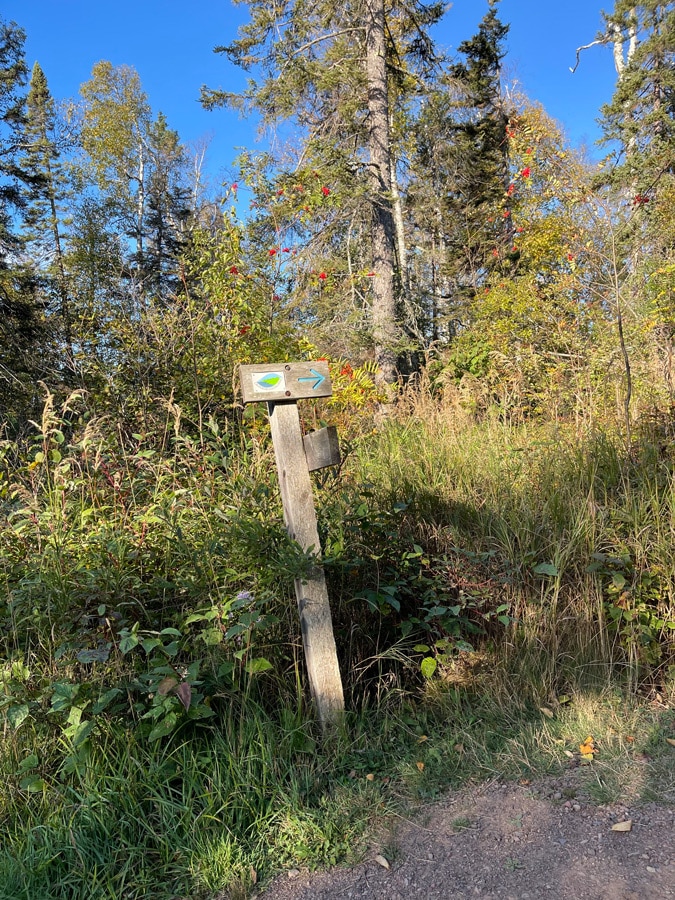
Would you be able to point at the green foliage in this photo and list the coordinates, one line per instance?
(495, 528)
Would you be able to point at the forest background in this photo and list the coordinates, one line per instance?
(498, 313)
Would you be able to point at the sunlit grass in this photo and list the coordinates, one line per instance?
(568, 530)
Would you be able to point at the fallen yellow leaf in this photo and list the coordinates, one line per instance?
(588, 747)
(623, 826)
(421, 740)
(370, 777)
(381, 861)
(547, 712)
(670, 741)
(420, 766)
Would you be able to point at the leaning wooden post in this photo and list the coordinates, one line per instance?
(281, 386)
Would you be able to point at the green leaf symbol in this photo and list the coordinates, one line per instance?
(269, 381)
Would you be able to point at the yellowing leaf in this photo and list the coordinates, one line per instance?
(420, 766)
(623, 826)
(370, 777)
(381, 861)
(588, 747)
(422, 739)
(670, 741)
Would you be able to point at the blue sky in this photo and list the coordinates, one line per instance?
(170, 44)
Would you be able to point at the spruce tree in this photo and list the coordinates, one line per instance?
(43, 218)
(460, 175)
(20, 315)
(328, 69)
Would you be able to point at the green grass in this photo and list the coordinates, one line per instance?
(549, 550)
(205, 810)
(256, 792)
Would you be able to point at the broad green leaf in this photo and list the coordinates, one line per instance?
(545, 569)
(105, 700)
(81, 732)
(212, 636)
(196, 617)
(17, 715)
(171, 649)
(149, 644)
(255, 666)
(33, 784)
(164, 727)
(128, 642)
(28, 763)
(428, 666)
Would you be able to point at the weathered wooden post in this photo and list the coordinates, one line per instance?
(281, 386)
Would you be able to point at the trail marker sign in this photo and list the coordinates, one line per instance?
(286, 381)
(281, 386)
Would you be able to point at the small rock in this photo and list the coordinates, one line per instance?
(557, 795)
(576, 807)
(293, 873)
(651, 869)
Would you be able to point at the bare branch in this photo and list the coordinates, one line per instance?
(324, 37)
(602, 40)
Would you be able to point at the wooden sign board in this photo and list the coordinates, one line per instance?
(281, 382)
(322, 448)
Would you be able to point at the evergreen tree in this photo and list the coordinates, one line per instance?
(459, 187)
(641, 116)
(48, 191)
(169, 208)
(20, 314)
(328, 69)
(13, 74)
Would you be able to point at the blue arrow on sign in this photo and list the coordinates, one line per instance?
(315, 375)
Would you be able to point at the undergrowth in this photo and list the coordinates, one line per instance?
(498, 594)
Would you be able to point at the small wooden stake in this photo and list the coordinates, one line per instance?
(300, 518)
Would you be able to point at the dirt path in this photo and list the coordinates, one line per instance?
(544, 840)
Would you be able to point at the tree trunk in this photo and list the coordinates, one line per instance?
(385, 330)
(60, 266)
(401, 249)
